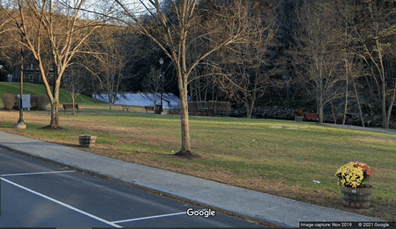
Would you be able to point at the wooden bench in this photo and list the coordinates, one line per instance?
(70, 106)
(125, 107)
(149, 108)
(311, 116)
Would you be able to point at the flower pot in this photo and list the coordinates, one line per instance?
(87, 140)
(356, 197)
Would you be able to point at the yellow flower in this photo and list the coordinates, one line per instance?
(353, 174)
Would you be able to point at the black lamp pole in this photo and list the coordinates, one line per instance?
(21, 123)
(161, 61)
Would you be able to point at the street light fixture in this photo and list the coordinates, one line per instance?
(161, 61)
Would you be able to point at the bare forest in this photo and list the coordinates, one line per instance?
(335, 58)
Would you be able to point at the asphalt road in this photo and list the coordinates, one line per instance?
(36, 193)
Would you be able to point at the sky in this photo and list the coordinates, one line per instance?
(101, 6)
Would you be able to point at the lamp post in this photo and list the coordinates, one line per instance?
(161, 61)
(21, 123)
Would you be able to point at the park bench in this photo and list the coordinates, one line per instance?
(70, 106)
(311, 116)
(149, 108)
(125, 107)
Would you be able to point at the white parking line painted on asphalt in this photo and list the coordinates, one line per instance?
(149, 217)
(38, 173)
(61, 203)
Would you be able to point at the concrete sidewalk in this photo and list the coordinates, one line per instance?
(273, 209)
(360, 128)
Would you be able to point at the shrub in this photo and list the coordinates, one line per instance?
(33, 102)
(209, 107)
(175, 110)
(9, 101)
(39, 102)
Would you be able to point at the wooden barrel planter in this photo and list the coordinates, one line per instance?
(87, 140)
(356, 197)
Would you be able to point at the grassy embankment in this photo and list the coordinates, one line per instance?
(242, 152)
(88, 104)
(34, 89)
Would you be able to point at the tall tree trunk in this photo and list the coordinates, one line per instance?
(320, 101)
(191, 91)
(385, 122)
(372, 94)
(110, 100)
(332, 113)
(54, 124)
(248, 110)
(251, 107)
(346, 101)
(73, 102)
(199, 90)
(358, 102)
(181, 68)
(185, 128)
(206, 90)
(213, 90)
(391, 106)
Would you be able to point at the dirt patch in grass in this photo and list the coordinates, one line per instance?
(139, 137)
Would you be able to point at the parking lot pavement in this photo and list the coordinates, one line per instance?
(35, 193)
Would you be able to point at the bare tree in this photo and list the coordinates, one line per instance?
(347, 12)
(74, 83)
(153, 82)
(106, 56)
(9, 50)
(317, 50)
(55, 26)
(172, 34)
(248, 63)
(376, 33)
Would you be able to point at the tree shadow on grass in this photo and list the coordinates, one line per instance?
(178, 155)
(52, 128)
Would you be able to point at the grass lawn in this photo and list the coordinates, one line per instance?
(242, 152)
(34, 89)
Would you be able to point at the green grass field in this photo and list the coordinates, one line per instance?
(243, 152)
(34, 89)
